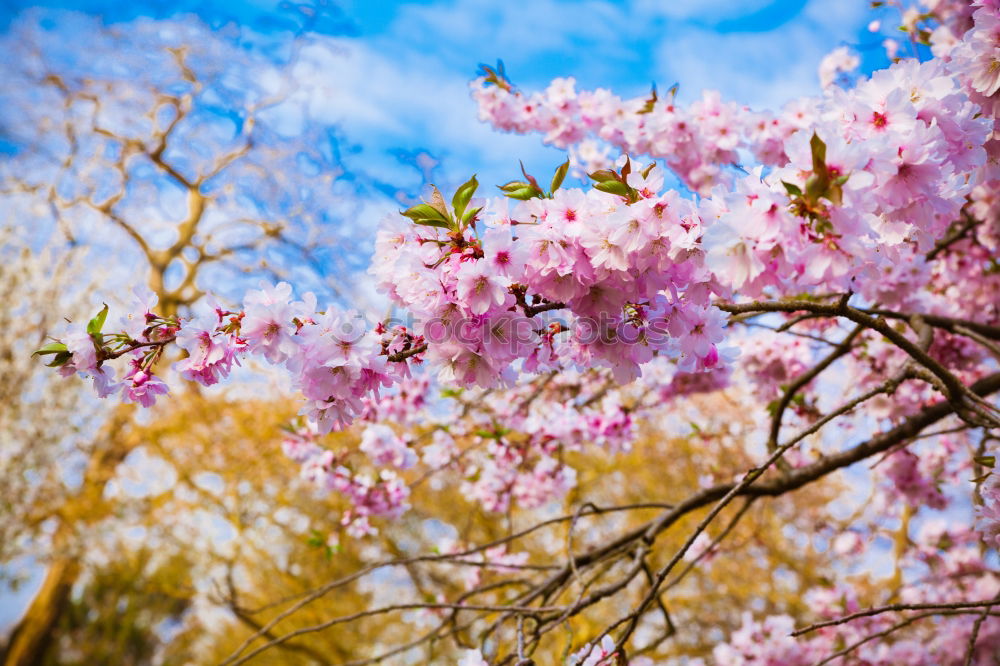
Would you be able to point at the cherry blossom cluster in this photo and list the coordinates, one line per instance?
(335, 360)
(900, 153)
(771, 360)
(380, 493)
(956, 573)
(835, 64)
(522, 462)
(967, 38)
(947, 568)
(85, 350)
(881, 178)
(857, 205)
(697, 141)
(988, 513)
(624, 272)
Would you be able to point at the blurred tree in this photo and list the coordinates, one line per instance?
(181, 153)
(43, 422)
(185, 570)
(124, 612)
(278, 553)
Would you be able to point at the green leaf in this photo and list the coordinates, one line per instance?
(650, 103)
(496, 76)
(559, 177)
(513, 185)
(469, 214)
(432, 223)
(523, 194)
(645, 172)
(627, 169)
(603, 175)
(496, 433)
(835, 194)
(462, 196)
(60, 359)
(519, 189)
(316, 539)
(428, 215)
(986, 461)
(613, 187)
(51, 348)
(792, 189)
(437, 202)
(95, 325)
(818, 153)
(817, 185)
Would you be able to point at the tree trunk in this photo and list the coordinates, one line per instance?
(33, 633)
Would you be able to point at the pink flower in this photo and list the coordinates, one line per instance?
(598, 655)
(988, 514)
(502, 255)
(210, 354)
(384, 447)
(604, 244)
(83, 361)
(79, 343)
(904, 471)
(300, 445)
(479, 289)
(143, 301)
(838, 61)
(462, 366)
(705, 330)
(268, 325)
(915, 170)
(142, 386)
(104, 382)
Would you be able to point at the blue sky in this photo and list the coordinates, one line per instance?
(398, 86)
(757, 52)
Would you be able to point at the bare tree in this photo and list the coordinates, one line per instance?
(165, 149)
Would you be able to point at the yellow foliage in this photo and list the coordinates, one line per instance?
(274, 554)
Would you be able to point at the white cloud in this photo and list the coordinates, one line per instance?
(406, 100)
(762, 69)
